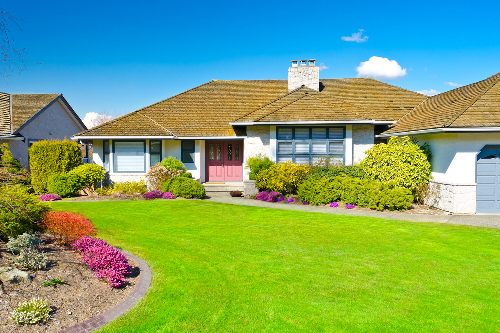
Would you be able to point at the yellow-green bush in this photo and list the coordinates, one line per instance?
(400, 161)
(130, 187)
(284, 177)
(91, 174)
(48, 158)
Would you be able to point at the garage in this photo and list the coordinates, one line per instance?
(487, 179)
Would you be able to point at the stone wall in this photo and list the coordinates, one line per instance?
(303, 75)
(453, 198)
(362, 140)
(258, 140)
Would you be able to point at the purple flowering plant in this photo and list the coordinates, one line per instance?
(349, 206)
(261, 195)
(49, 197)
(156, 194)
(306, 203)
(273, 196)
(290, 200)
(168, 195)
(334, 204)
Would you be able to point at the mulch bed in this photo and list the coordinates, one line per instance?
(80, 298)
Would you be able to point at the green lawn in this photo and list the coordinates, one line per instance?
(224, 268)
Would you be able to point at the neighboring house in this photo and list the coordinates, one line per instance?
(462, 127)
(215, 127)
(28, 118)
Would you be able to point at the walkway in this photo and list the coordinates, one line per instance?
(491, 221)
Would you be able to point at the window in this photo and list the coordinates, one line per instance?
(154, 152)
(304, 145)
(129, 156)
(187, 151)
(105, 157)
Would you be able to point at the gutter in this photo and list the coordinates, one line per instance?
(353, 122)
(443, 130)
(122, 137)
(12, 137)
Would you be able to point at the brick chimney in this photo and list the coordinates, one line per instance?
(305, 74)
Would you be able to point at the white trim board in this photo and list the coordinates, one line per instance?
(442, 130)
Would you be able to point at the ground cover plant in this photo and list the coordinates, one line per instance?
(226, 268)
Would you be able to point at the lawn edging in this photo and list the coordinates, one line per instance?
(129, 302)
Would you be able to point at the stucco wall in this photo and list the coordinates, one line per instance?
(53, 124)
(258, 140)
(362, 140)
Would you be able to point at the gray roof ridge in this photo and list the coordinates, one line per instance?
(154, 122)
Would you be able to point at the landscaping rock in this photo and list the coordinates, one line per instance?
(14, 276)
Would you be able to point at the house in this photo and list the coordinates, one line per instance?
(462, 128)
(28, 118)
(215, 127)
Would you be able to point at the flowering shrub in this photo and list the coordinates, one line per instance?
(281, 199)
(49, 197)
(106, 261)
(261, 195)
(273, 196)
(168, 195)
(334, 204)
(349, 206)
(23, 242)
(282, 177)
(159, 174)
(156, 194)
(31, 312)
(290, 200)
(67, 227)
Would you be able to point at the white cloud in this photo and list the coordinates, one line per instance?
(451, 84)
(356, 37)
(93, 119)
(381, 69)
(430, 92)
(322, 66)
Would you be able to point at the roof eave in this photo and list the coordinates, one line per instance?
(343, 122)
(442, 130)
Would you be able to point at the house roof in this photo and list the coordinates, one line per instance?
(5, 129)
(473, 105)
(208, 110)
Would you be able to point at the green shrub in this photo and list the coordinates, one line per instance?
(173, 163)
(20, 211)
(31, 312)
(130, 187)
(184, 187)
(48, 158)
(7, 160)
(400, 161)
(353, 171)
(22, 242)
(360, 192)
(11, 172)
(65, 184)
(283, 178)
(187, 175)
(91, 174)
(107, 190)
(30, 259)
(258, 163)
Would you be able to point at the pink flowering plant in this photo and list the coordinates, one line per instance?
(262, 195)
(274, 196)
(49, 197)
(168, 195)
(349, 206)
(104, 260)
(157, 194)
(334, 204)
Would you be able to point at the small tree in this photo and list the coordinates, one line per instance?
(400, 160)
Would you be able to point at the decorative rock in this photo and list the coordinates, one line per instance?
(14, 275)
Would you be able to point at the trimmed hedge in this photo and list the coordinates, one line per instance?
(361, 192)
(354, 171)
(48, 158)
(65, 184)
(91, 174)
(184, 187)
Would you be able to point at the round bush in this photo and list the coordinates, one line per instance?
(31, 312)
(65, 184)
(91, 174)
(283, 177)
(400, 161)
(184, 187)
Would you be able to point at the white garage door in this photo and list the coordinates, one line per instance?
(487, 179)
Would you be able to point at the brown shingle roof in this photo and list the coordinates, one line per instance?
(474, 105)
(25, 106)
(208, 109)
(5, 114)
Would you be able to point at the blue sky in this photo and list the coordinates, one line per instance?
(119, 56)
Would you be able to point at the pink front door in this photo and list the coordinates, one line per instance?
(224, 160)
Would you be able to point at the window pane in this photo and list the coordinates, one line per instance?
(187, 157)
(319, 147)
(229, 152)
(188, 145)
(129, 157)
(284, 147)
(155, 159)
(301, 159)
(301, 147)
(219, 152)
(211, 152)
(338, 158)
(336, 133)
(155, 147)
(237, 152)
(319, 133)
(284, 134)
(301, 133)
(336, 147)
(284, 158)
(106, 146)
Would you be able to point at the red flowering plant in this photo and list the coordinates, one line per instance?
(66, 227)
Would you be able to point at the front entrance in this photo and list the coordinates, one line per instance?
(224, 161)
(488, 180)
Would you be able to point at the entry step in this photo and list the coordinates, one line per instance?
(223, 186)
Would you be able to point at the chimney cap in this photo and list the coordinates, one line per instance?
(295, 63)
(303, 63)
